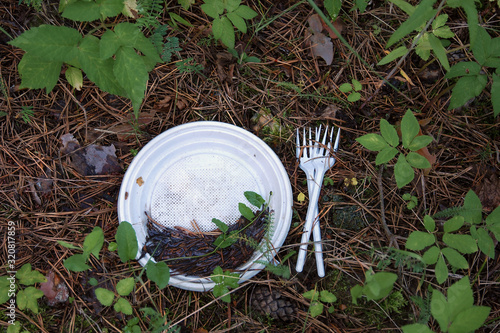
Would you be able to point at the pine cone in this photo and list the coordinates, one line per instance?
(268, 301)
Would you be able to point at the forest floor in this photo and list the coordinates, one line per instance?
(50, 199)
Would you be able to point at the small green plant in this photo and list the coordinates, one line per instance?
(243, 57)
(189, 66)
(377, 286)
(411, 201)
(318, 300)
(386, 145)
(91, 245)
(226, 14)
(223, 281)
(25, 297)
(277, 268)
(353, 90)
(455, 313)
(35, 4)
(26, 113)
(157, 322)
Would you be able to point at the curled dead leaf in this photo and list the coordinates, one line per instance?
(55, 290)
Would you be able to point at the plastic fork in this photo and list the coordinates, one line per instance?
(315, 164)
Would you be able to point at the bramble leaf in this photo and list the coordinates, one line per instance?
(389, 133)
(466, 88)
(463, 243)
(213, 8)
(439, 51)
(495, 94)
(418, 161)
(83, 11)
(441, 270)
(420, 142)
(37, 73)
(385, 155)
(105, 296)
(29, 277)
(454, 258)
(430, 256)
(440, 309)
(77, 263)
(125, 286)
(245, 12)
(409, 128)
(472, 208)
(463, 68)
(470, 319)
(485, 243)
(238, 22)
(93, 242)
(227, 37)
(419, 240)
(403, 172)
(372, 141)
(453, 224)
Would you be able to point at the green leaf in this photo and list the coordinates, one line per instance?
(112, 246)
(403, 172)
(420, 142)
(485, 243)
(105, 296)
(439, 51)
(93, 282)
(389, 133)
(453, 224)
(416, 328)
(345, 87)
(127, 241)
(357, 85)
(440, 309)
(15, 328)
(231, 5)
(238, 22)
(254, 198)
(354, 97)
(380, 285)
(493, 222)
(467, 87)
(37, 73)
(131, 73)
(213, 8)
(50, 43)
(372, 141)
(159, 273)
(5, 285)
(123, 306)
(409, 128)
(423, 12)
(417, 161)
(245, 12)
(460, 297)
(385, 155)
(77, 263)
(405, 6)
(441, 270)
(439, 21)
(68, 245)
(470, 319)
(28, 299)
(186, 3)
(217, 28)
(423, 48)
(82, 11)
(125, 286)
(463, 68)
(430, 256)
(495, 94)
(74, 77)
(129, 34)
(356, 293)
(429, 223)
(222, 290)
(316, 309)
(93, 242)
(443, 32)
(217, 276)
(221, 225)
(246, 212)
(227, 37)
(481, 46)
(327, 297)
(28, 277)
(109, 44)
(419, 240)
(393, 55)
(312, 295)
(463, 243)
(454, 258)
(472, 208)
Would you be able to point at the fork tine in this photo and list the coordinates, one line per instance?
(304, 144)
(311, 145)
(297, 145)
(337, 140)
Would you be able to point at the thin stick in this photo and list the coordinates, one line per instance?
(388, 233)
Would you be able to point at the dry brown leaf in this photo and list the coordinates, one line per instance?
(55, 290)
(315, 23)
(488, 191)
(321, 45)
(338, 24)
(329, 112)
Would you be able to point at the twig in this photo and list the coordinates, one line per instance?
(388, 233)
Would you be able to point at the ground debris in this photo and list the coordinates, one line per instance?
(55, 290)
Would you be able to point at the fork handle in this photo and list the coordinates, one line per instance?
(318, 247)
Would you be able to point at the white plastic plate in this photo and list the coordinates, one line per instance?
(199, 171)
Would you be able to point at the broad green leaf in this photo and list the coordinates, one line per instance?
(123, 306)
(327, 297)
(405, 6)
(481, 46)
(312, 295)
(186, 3)
(416, 328)
(472, 208)
(423, 47)
(420, 142)
(238, 22)
(98, 70)
(384, 283)
(177, 18)
(463, 243)
(429, 223)
(29, 277)
(222, 290)
(393, 55)
(217, 275)
(403, 172)
(50, 43)
(125, 286)
(460, 297)
(333, 7)
(105, 296)
(5, 285)
(453, 224)
(28, 299)
(37, 73)
(354, 97)
(68, 245)
(109, 44)
(385, 155)
(419, 240)
(231, 5)
(423, 12)
(227, 37)
(316, 309)
(221, 225)
(372, 141)
(127, 241)
(389, 133)
(129, 34)
(470, 319)
(213, 8)
(225, 240)
(83, 11)
(345, 87)
(439, 51)
(131, 73)
(356, 85)
(217, 28)
(74, 77)
(493, 222)
(495, 94)
(430, 256)
(485, 243)
(463, 68)
(439, 21)
(356, 293)
(417, 161)
(441, 270)
(454, 258)
(246, 212)
(93, 242)
(245, 12)
(15, 328)
(159, 273)
(254, 198)
(409, 128)
(77, 263)
(466, 88)
(231, 279)
(443, 32)
(440, 309)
